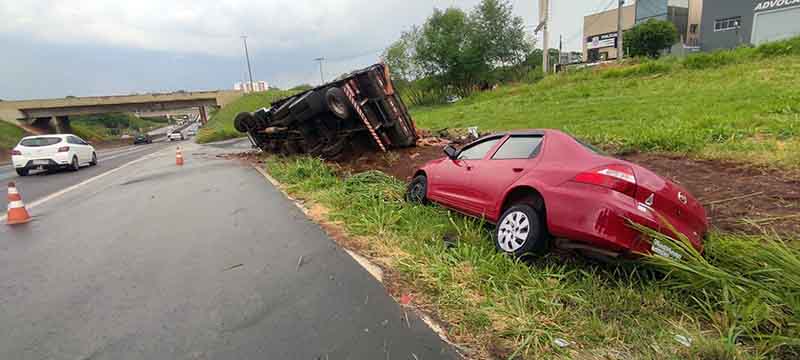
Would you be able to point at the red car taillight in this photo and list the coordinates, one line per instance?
(63, 149)
(16, 152)
(616, 177)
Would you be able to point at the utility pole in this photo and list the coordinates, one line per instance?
(560, 47)
(249, 70)
(620, 49)
(321, 74)
(544, 18)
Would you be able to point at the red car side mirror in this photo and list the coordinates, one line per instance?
(451, 152)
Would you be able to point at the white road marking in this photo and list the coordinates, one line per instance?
(83, 183)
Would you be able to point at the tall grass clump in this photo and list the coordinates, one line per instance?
(747, 289)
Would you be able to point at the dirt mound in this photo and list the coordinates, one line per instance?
(737, 197)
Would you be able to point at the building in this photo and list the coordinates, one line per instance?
(257, 86)
(570, 57)
(600, 33)
(730, 23)
(600, 29)
(674, 11)
(695, 20)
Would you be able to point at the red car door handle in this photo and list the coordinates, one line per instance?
(517, 170)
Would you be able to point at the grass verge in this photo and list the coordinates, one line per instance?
(220, 125)
(505, 308)
(739, 104)
(9, 135)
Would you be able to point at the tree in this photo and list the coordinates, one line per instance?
(443, 46)
(462, 50)
(498, 35)
(650, 38)
(400, 56)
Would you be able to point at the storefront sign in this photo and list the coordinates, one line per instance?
(603, 40)
(774, 4)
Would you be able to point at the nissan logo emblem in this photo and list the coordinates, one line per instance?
(682, 198)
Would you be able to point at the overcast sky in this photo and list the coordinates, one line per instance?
(55, 48)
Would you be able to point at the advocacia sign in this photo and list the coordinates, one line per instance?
(774, 4)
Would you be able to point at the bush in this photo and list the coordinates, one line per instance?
(778, 48)
(650, 38)
(710, 60)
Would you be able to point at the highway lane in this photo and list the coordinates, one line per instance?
(41, 184)
(204, 261)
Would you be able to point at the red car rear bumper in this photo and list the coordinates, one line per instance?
(598, 216)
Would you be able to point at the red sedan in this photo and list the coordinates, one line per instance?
(539, 185)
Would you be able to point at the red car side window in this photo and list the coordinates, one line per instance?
(518, 147)
(478, 151)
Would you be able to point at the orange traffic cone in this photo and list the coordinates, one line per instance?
(17, 214)
(178, 157)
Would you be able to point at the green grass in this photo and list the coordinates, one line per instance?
(740, 303)
(9, 135)
(740, 104)
(220, 125)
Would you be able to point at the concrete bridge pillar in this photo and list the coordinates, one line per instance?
(62, 125)
(203, 115)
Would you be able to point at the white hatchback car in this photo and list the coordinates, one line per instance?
(52, 152)
(175, 136)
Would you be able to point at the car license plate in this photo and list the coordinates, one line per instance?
(41, 162)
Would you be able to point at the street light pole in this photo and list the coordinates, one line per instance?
(620, 49)
(249, 70)
(544, 17)
(321, 74)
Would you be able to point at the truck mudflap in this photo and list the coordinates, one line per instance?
(361, 111)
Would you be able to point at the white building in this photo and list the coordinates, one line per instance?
(257, 86)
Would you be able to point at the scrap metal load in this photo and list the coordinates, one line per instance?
(359, 110)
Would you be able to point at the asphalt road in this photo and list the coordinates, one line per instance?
(155, 261)
(42, 183)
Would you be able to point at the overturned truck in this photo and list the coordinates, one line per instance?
(360, 110)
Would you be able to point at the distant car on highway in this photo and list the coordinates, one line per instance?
(142, 139)
(176, 136)
(191, 132)
(52, 152)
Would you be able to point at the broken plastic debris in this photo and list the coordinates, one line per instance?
(561, 342)
(684, 340)
(405, 299)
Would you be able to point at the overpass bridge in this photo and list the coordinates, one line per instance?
(53, 114)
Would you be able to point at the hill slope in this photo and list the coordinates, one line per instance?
(220, 126)
(741, 104)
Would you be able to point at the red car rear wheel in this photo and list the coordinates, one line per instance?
(520, 232)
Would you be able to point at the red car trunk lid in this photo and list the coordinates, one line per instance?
(673, 202)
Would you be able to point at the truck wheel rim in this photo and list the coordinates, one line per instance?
(513, 231)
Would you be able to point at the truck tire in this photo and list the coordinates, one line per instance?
(337, 103)
(244, 122)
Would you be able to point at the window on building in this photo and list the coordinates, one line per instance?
(693, 29)
(728, 24)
